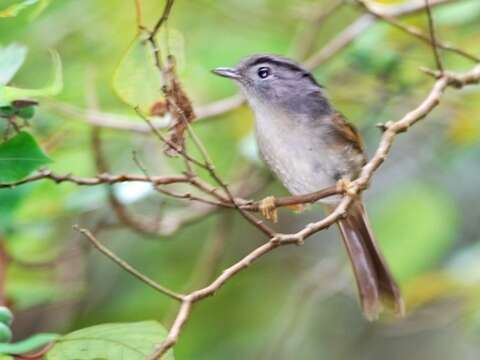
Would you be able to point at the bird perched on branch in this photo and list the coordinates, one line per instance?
(310, 146)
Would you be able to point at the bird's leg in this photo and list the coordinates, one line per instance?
(268, 208)
(346, 186)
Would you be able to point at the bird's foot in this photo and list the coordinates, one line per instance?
(268, 208)
(297, 207)
(346, 186)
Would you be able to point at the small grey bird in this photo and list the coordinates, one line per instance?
(310, 146)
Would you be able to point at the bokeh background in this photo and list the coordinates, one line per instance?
(297, 302)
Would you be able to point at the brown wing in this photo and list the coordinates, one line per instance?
(347, 131)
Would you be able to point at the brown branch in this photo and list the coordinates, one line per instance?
(163, 18)
(100, 179)
(443, 81)
(259, 224)
(127, 267)
(433, 38)
(173, 146)
(297, 199)
(103, 179)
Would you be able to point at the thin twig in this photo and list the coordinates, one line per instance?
(211, 169)
(126, 266)
(392, 129)
(139, 15)
(100, 179)
(178, 149)
(163, 18)
(431, 27)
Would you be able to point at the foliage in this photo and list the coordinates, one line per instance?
(294, 303)
(110, 341)
(19, 156)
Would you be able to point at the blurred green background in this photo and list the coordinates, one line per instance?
(297, 302)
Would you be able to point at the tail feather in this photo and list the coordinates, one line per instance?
(375, 282)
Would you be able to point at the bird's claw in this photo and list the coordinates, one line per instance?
(346, 186)
(268, 208)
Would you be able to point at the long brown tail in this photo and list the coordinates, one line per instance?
(375, 283)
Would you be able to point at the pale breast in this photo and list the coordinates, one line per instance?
(299, 154)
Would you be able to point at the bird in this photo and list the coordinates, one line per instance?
(309, 146)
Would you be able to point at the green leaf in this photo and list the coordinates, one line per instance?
(11, 59)
(9, 94)
(416, 227)
(132, 341)
(15, 9)
(19, 156)
(33, 343)
(137, 81)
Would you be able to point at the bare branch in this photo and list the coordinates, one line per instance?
(163, 18)
(100, 179)
(360, 184)
(127, 267)
(431, 27)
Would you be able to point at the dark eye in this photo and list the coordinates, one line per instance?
(264, 72)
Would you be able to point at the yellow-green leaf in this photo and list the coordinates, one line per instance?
(137, 80)
(132, 341)
(9, 93)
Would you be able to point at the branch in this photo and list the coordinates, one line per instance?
(392, 129)
(433, 38)
(219, 107)
(163, 18)
(99, 179)
(127, 267)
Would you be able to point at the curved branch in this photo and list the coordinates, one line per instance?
(392, 129)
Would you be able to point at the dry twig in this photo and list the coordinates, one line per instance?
(433, 38)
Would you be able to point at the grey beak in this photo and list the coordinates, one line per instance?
(227, 72)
